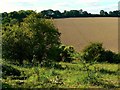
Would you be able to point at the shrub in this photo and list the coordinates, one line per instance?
(62, 53)
(66, 53)
(110, 57)
(93, 52)
(54, 54)
(118, 58)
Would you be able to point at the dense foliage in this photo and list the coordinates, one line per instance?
(74, 75)
(15, 16)
(95, 52)
(78, 13)
(66, 52)
(31, 39)
(109, 56)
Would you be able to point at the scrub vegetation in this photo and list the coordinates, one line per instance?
(34, 57)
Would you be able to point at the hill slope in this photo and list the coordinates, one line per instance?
(78, 32)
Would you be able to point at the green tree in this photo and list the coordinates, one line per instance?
(57, 14)
(85, 13)
(102, 12)
(32, 37)
(74, 13)
(66, 13)
(15, 43)
(48, 13)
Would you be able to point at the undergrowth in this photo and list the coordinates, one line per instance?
(72, 75)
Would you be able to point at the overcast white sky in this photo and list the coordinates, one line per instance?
(92, 6)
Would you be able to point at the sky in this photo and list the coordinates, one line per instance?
(91, 6)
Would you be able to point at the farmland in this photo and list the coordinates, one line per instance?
(79, 32)
(35, 55)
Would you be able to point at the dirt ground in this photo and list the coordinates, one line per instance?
(79, 32)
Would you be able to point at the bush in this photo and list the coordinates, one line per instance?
(65, 53)
(61, 53)
(110, 57)
(118, 58)
(93, 52)
(54, 54)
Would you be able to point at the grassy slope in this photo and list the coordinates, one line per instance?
(71, 77)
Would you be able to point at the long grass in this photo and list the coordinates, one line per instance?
(71, 76)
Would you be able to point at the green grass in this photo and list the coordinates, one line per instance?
(72, 76)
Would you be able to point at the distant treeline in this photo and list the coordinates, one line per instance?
(78, 13)
(19, 15)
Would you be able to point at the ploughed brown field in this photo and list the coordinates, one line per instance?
(79, 32)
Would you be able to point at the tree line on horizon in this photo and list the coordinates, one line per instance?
(20, 15)
(78, 13)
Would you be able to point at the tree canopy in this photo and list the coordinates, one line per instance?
(34, 36)
(20, 15)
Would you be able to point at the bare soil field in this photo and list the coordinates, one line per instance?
(79, 32)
